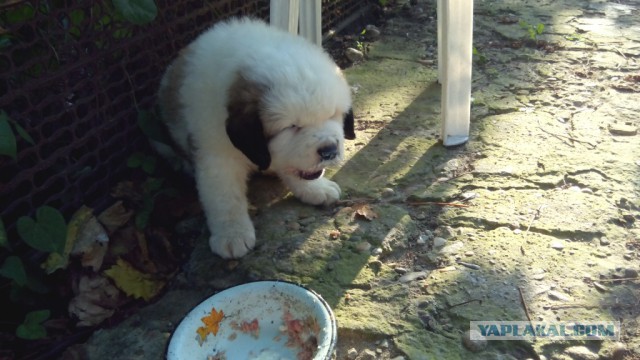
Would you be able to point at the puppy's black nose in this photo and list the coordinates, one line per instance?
(328, 152)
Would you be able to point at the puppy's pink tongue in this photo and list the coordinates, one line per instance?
(311, 175)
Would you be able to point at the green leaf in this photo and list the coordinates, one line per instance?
(149, 164)
(14, 269)
(8, 144)
(23, 133)
(20, 14)
(36, 285)
(135, 160)
(47, 233)
(523, 24)
(152, 185)
(153, 128)
(4, 239)
(5, 41)
(37, 317)
(139, 12)
(31, 328)
(540, 28)
(77, 17)
(144, 214)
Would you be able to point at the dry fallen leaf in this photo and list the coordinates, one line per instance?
(83, 231)
(95, 300)
(211, 325)
(133, 282)
(115, 216)
(364, 211)
(94, 256)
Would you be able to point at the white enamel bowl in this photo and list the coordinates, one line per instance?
(282, 310)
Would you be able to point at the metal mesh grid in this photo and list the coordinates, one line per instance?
(75, 77)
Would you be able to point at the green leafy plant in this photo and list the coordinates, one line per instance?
(532, 31)
(145, 162)
(8, 140)
(138, 12)
(32, 327)
(4, 239)
(574, 37)
(481, 59)
(47, 232)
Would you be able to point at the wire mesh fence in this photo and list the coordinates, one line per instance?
(75, 75)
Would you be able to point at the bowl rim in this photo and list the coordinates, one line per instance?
(332, 318)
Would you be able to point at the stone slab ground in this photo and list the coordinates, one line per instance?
(540, 208)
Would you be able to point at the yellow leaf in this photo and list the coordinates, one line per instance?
(133, 282)
(211, 324)
(57, 261)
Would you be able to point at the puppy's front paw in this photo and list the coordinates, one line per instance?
(233, 242)
(321, 191)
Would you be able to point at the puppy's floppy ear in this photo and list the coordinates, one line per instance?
(349, 126)
(244, 126)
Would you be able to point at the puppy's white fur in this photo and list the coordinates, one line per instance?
(233, 72)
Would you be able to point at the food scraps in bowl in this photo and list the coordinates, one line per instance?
(261, 320)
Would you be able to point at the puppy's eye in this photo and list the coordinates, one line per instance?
(295, 128)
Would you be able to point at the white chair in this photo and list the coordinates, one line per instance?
(455, 36)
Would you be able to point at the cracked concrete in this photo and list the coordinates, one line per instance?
(540, 208)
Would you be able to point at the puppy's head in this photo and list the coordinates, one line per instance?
(290, 126)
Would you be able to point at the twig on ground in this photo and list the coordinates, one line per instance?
(526, 308)
(466, 302)
(418, 203)
(571, 138)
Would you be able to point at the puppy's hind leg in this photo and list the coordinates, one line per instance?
(222, 185)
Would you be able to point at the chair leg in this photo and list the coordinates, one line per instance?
(283, 14)
(456, 62)
(311, 21)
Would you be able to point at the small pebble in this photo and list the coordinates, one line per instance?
(469, 253)
(354, 55)
(422, 239)
(446, 232)
(469, 265)
(623, 130)
(439, 242)
(367, 354)
(363, 247)
(452, 248)
(478, 343)
(387, 192)
(630, 273)
(581, 352)
(557, 244)
(377, 251)
(372, 33)
(618, 351)
(417, 275)
(604, 241)
(401, 270)
(556, 295)
(540, 276)
(600, 287)
(352, 353)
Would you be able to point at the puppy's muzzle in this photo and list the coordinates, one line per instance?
(328, 152)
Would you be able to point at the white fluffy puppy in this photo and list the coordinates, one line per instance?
(245, 96)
